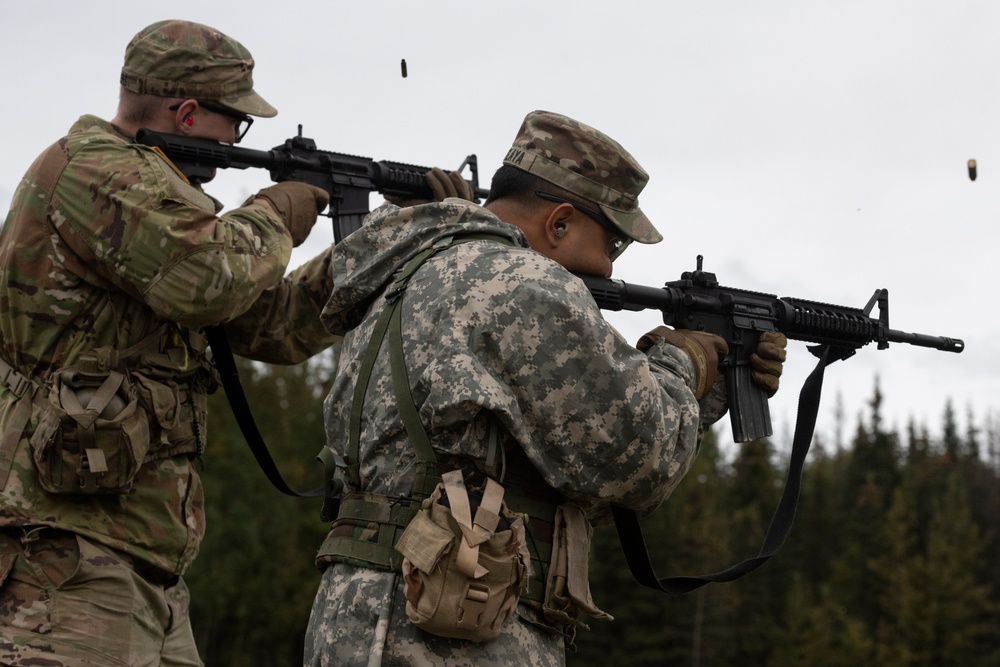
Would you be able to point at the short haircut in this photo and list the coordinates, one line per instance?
(519, 186)
(139, 110)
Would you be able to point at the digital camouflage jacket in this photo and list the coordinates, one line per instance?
(107, 247)
(490, 332)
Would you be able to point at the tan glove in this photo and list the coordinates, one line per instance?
(766, 363)
(703, 348)
(443, 184)
(446, 184)
(298, 204)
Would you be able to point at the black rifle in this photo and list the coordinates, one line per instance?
(348, 178)
(699, 303)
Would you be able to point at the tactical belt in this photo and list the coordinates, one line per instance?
(391, 516)
(378, 551)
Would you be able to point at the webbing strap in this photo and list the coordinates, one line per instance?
(392, 519)
(475, 529)
(25, 389)
(86, 417)
(630, 530)
(401, 384)
(390, 320)
(426, 480)
(382, 554)
(229, 374)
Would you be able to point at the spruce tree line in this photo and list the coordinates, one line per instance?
(894, 558)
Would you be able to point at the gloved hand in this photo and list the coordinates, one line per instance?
(766, 362)
(298, 204)
(443, 184)
(446, 184)
(703, 348)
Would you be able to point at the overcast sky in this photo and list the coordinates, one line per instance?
(815, 150)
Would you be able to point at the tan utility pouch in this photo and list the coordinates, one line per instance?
(464, 567)
(567, 588)
(92, 436)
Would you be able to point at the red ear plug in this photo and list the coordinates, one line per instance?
(188, 120)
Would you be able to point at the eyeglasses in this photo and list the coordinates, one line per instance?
(617, 246)
(240, 127)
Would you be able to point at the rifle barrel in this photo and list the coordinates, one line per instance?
(942, 343)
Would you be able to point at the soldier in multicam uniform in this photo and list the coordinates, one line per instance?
(110, 265)
(499, 333)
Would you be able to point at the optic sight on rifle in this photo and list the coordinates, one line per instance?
(697, 302)
(348, 178)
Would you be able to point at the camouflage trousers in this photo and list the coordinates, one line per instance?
(66, 601)
(359, 620)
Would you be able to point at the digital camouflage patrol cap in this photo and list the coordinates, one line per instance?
(192, 61)
(587, 163)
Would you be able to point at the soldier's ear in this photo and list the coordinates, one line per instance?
(184, 113)
(554, 226)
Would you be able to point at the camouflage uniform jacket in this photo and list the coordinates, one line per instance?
(490, 332)
(106, 244)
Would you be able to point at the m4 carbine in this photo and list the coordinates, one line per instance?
(699, 303)
(348, 178)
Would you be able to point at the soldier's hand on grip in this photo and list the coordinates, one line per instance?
(703, 348)
(298, 204)
(766, 363)
(443, 184)
(446, 184)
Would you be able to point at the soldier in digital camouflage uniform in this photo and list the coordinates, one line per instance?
(498, 331)
(110, 265)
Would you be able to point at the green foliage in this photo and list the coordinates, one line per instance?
(253, 582)
(892, 559)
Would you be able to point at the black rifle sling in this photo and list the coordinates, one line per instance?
(229, 374)
(630, 530)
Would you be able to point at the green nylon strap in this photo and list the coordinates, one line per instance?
(392, 518)
(394, 299)
(401, 385)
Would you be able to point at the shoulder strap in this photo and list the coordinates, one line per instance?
(25, 389)
(230, 377)
(630, 530)
(390, 320)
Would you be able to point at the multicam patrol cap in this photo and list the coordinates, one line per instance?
(587, 163)
(190, 60)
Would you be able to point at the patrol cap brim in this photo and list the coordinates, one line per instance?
(633, 224)
(252, 105)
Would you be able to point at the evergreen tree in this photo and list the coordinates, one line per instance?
(951, 440)
(966, 614)
(935, 609)
(685, 536)
(254, 580)
(866, 494)
(818, 631)
(754, 602)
